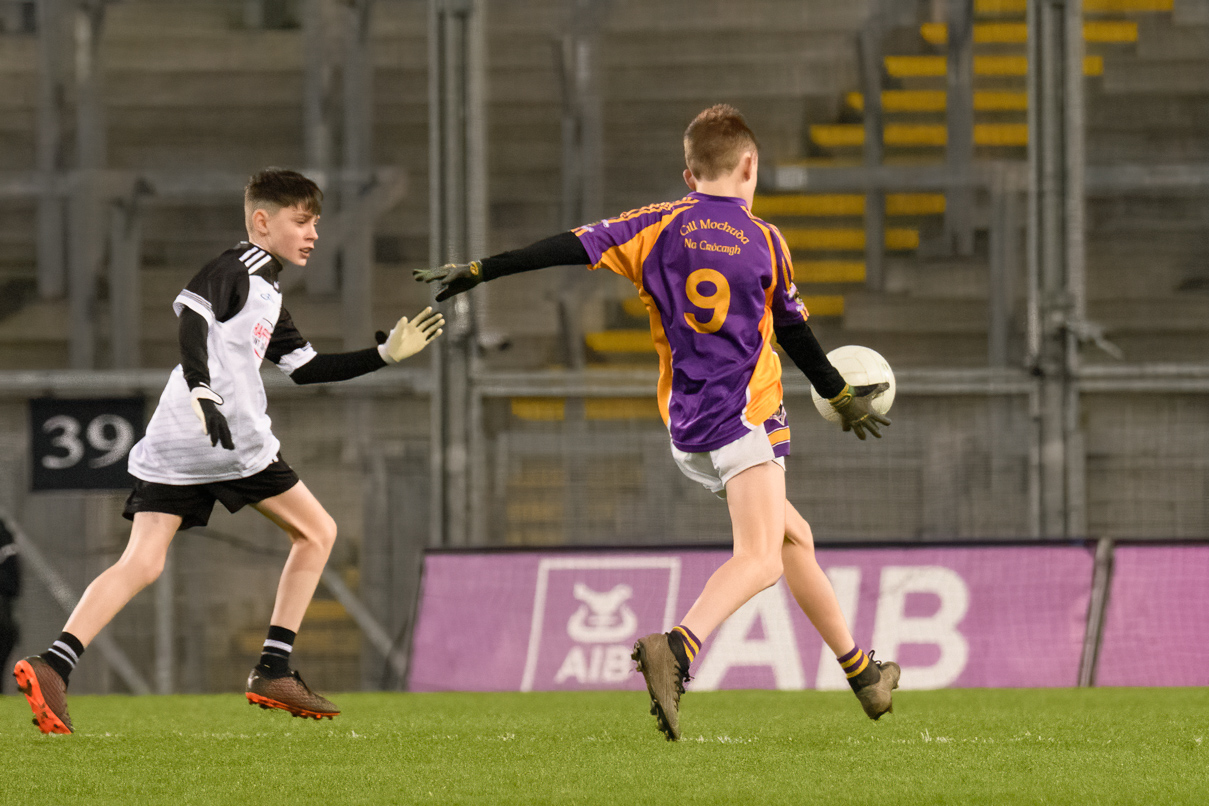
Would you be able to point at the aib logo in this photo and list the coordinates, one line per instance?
(604, 617)
(587, 613)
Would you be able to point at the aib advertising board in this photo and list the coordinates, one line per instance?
(1010, 616)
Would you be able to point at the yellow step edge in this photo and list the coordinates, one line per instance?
(846, 239)
(550, 409)
(823, 204)
(936, 101)
(829, 305)
(1128, 6)
(1001, 134)
(1003, 8)
(844, 204)
(1110, 32)
(829, 271)
(539, 409)
(1000, 101)
(999, 65)
(915, 204)
(852, 135)
(633, 306)
(621, 408)
(325, 610)
(629, 340)
(1016, 33)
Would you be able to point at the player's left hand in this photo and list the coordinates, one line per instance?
(410, 337)
(855, 407)
(452, 278)
(205, 402)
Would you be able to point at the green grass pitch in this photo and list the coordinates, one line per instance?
(1084, 746)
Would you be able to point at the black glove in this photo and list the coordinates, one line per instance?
(452, 278)
(205, 405)
(855, 407)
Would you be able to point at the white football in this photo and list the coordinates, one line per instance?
(860, 366)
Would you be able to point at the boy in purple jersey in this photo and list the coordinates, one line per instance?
(718, 284)
(210, 439)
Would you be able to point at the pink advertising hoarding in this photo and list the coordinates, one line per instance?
(951, 616)
(1158, 609)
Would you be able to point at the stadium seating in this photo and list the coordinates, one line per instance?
(1145, 74)
(185, 83)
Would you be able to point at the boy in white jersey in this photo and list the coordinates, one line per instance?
(210, 439)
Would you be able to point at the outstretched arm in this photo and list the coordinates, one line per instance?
(331, 367)
(563, 249)
(406, 339)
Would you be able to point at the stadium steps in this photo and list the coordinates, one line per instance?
(808, 69)
(925, 295)
(915, 113)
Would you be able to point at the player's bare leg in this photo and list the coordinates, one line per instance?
(755, 498)
(312, 533)
(141, 563)
(810, 586)
(871, 680)
(44, 685)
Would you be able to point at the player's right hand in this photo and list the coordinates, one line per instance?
(855, 407)
(452, 278)
(408, 338)
(205, 402)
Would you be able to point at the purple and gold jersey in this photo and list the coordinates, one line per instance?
(715, 280)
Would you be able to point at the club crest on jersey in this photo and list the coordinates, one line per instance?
(262, 331)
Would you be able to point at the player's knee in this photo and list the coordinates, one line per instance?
(323, 533)
(770, 570)
(143, 570)
(798, 534)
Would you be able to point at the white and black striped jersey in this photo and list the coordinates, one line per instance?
(237, 295)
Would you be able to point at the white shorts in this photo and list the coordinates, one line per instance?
(714, 468)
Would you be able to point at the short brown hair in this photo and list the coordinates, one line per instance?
(277, 188)
(715, 141)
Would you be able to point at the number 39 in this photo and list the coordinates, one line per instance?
(718, 303)
(108, 433)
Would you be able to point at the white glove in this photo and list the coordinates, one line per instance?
(408, 338)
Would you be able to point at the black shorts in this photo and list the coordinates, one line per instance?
(194, 502)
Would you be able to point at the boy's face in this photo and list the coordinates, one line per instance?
(289, 232)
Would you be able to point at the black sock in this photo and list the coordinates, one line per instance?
(859, 669)
(64, 654)
(684, 644)
(275, 656)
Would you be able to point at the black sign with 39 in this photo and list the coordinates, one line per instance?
(82, 444)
